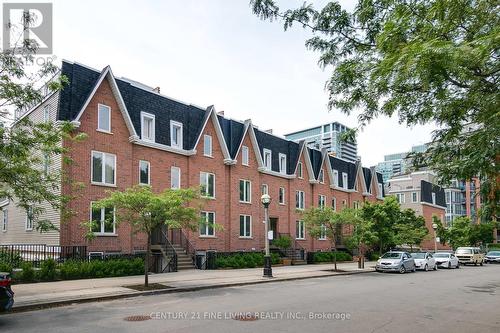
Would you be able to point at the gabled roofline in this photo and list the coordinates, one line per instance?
(107, 73)
(255, 144)
(212, 114)
(246, 125)
(375, 183)
(309, 166)
(359, 173)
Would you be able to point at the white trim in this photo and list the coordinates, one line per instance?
(149, 172)
(303, 201)
(281, 157)
(249, 183)
(431, 205)
(274, 173)
(284, 194)
(345, 181)
(5, 219)
(34, 107)
(302, 229)
(136, 140)
(262, 186)
(416, 196)
(103, 182)
(99, 105)
(266, 151)
(255, 147)
(30, 226)
(206, 225)
(244, 226)
(321, 196)
(321, 176)
(180, 143)
(245, 150)
(207, 138)
(360, 175)
(153, 126)
(171, 178)
(309, 167)
(206, 179)
(301, 174)
(101, 224)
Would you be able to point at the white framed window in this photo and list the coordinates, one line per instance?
(267, 159)
(207, 224)
(207, 145)
(46, 164)
(345, 180)
(334, 204)
(5, 219)
(414, 197)
(433, 196)
(300, 172)
(321, 201)
(245, 226)
(103, 168)
(344, 203)
(103, 220)
(176, 134)
(245, 191)
(282, 158)
(335, 178)
(264, 189)
(46, 113)
(207, 182)
(144, 173)
(355, 205)
(103, 118)
(400, 197)
(147, 127)
(321, 176)
(175, 177)
(299, 200)
(380, 190)
(244, 155)
(322, 232)
(28, 226)
(300, 230)
(281, 196)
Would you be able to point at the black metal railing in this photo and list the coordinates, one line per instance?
(14, 254)
(295, 252)
(179, 238)
(167, 263)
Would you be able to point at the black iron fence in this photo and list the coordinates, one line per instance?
(36, 253)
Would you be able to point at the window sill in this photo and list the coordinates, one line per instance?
(104, 131)
(209, 156)
(29, 230)
(100, 234)
(282, 204)
(322, 239)
(103, 184)
(300, 239)
(246, 202)
(242, 237)
(207, 237)
(209, 198)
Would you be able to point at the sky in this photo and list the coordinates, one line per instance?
(217, 53)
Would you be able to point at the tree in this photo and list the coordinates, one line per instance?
(482, 233)
(145, 211)
(426, 61)
(26, 146)
(362, 237)
(383, 216)
(410, 229)
(458, 234)
(325, 222)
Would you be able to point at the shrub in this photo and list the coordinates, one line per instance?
(330, 256)
(244, 260)
(28, 273)
(10, 259)
(5, 267)
(48, 270)
(72, 269)
(283, 242)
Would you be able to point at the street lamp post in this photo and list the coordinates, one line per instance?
(268, 271)
(434, 227)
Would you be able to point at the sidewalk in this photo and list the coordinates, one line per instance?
(46, 294)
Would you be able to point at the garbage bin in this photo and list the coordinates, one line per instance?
(310, 257)
(200, 258)
(211, 255)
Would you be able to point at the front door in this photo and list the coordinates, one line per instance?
(273, 225)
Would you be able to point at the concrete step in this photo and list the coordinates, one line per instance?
(299, 262)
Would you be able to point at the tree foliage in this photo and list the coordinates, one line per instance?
(410, 229)
(426, 61)
(462, 232)
(145, 211)
(25, 145)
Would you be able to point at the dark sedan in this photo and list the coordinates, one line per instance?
(6, 293)
(492, 256)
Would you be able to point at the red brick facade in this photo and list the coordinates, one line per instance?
(226, 205)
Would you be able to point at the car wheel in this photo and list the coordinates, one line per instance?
(481, 263)
(449, 265)
(435, 267)
(426, 268)
(475, 263)
(402, 269)
(458, 265)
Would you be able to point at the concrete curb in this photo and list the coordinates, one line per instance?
(46, 305)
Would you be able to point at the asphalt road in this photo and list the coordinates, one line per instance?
(460, 300)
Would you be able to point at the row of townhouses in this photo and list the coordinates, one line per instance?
(138, 136)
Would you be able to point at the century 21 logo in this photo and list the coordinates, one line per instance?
(37, 28)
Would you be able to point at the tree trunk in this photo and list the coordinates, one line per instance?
(335, 256)
(146, 261)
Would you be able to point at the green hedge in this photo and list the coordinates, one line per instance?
(493, 246)
(9, 261)
(71, 270)
(330, 256)
(244, 260)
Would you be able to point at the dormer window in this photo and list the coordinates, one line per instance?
(299, 170)
(335, 178)
(207, 145)
(267, 159)
(147, 127)
(344, 180)
(321, 176)
(433, 198)
(103, 118)
(380, 190)
(175, 134)
(283, 163)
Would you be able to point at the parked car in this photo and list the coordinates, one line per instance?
(446, 260)
(6, 293)
(396, 261)
(424, 261)
(470, 255)
(492, 256)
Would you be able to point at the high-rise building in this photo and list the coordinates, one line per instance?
(327, 136)
(399, 163)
